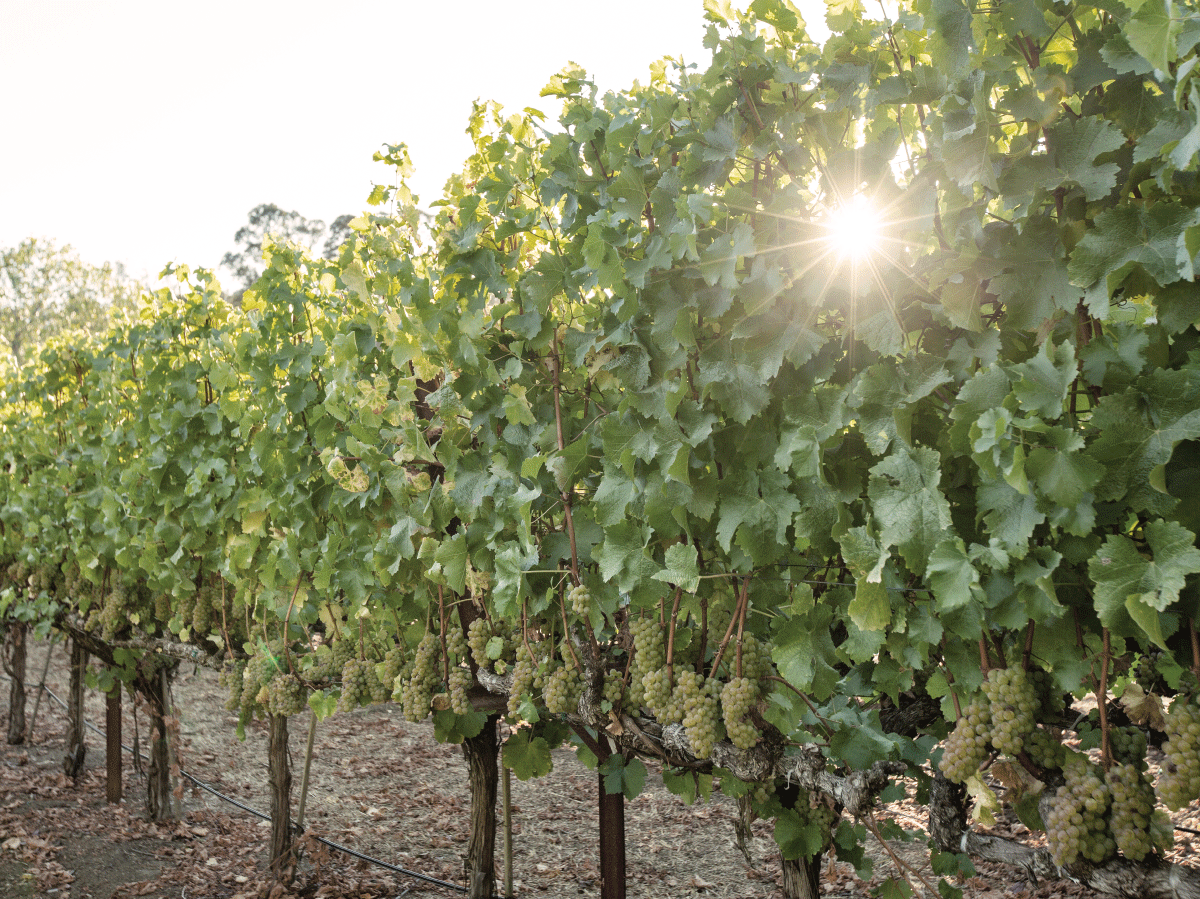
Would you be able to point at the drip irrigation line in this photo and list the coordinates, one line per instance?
(299, 830)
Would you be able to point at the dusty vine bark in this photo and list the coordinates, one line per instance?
(283, 850)
(481, 753)
(14, 666)
(154, 685)
(1149, 879)
(75, 743)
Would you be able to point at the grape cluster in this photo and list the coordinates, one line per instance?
(330, 660)
(1138, 831)
(814, 812)
(1076, 824)
(478, 635)
(1051, 702)
(1044, 750)
(756, 658)
(1128, 746)
(524, 674)
(232, 677)
(563, 689)
(1013, 704)
(656, 693)
(580, 598)
(286, 695)
(262, 666)
(738, 697)
(460, 681)
(967, 745)
(1179, 782)
(701, 711)
(1145, 670)
(356, 685)
(649, 654)
(456, 645)
(391, 666)
(202, 611)
(614, 689)
(416, 690)
(115, 613)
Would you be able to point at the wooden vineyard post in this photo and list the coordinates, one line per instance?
(508, 846)
(283, 856)
(112, 749)
(14, 664)
(481, 753)
(76, 745)
(612, 835)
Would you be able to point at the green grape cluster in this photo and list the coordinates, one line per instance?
(478, 635)
(815, 813)
(1145, 670)
(162, 607)
(331, 659)
(115, 613)
(1076, 824)
(649, 654)
(460, 682)
(391, 666)
(738, 698)
(656, 693)
(580, 599)
(1128, 746)
(202, 611)
(1137, 829)
(261, 667)
(756, 658)
(1051, 702)
(232, 677)
(286, 695)
(416, 691)
(701, 711)
(1044, 750)
(1179, 783)
(563, 688)
(968, 744)
(456, 645)
(614, 689)
(1013, 704)
(525, 677)
(356, 684)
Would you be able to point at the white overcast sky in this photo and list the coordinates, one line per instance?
(145, 132)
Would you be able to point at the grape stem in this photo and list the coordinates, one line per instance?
(287, 654)
(1102, 703)
(671, 636)
(984, 662)
(729, 630)
(1027, 655)
(808, 702)
(442, 632)
(900, 864)
(562, 607)
(1195, 647)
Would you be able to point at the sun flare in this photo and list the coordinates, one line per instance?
(854, 229)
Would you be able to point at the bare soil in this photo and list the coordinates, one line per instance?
(385, 788)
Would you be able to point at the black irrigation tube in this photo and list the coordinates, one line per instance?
(332, 845)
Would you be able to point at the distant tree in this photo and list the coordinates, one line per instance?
(47, 290)
(268, 220)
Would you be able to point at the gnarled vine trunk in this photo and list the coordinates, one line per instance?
(283, 848)
(802, 877)
(14, 665)
(76, 744)
(1152, 878)
(155, 686)
(482, 752)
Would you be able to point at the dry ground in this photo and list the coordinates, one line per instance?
(385, 788)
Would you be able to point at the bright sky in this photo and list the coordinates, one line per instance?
(145, 132)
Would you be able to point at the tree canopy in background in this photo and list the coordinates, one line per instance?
(268, 221)
(46, 290)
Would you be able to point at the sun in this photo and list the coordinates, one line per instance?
(854, 229)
